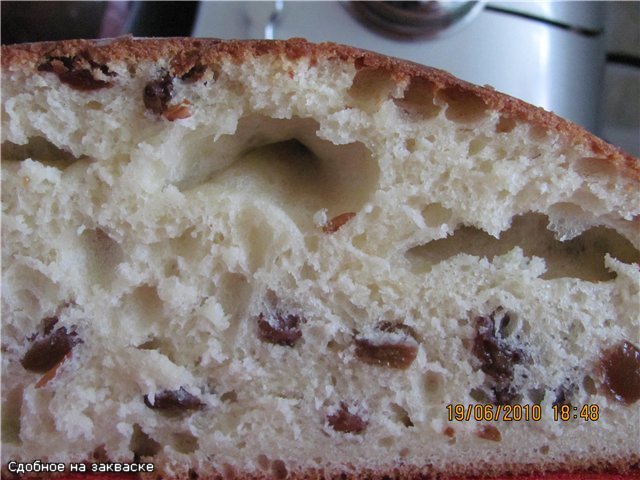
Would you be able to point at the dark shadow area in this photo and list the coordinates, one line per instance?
(41, 21)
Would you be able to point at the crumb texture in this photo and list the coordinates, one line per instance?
(290, 263)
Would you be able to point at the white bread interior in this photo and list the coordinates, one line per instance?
(161, 242)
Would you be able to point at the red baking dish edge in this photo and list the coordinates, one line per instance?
(552, 476)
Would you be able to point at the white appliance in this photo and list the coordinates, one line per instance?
(550, 54)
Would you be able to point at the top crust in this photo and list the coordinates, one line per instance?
(184, 53)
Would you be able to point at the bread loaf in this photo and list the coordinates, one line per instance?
(263, 259)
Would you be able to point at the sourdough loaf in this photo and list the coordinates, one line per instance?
(280, 259)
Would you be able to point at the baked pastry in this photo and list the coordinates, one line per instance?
(274, 258)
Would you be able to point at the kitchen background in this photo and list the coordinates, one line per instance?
(579, 59)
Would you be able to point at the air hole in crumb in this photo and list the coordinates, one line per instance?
(544, 449)
(100, 255)
(193, 475)
(279, 470)
(387, 442)
(476, 146)
(318, 460)
(141, 444)
(505, 125)
(185, 442)
(536, 395)
(418, 99)
(405, 452)
(596, 167)
(286, 162)
(581, 257)
(40, 150)
(433, 384)
(153, 344)
(11, 408)
(400, 415)
(462, 106)
(263, 461)
(435, 214)
(231, 396)
(307, 272)
(589, 385)
(485, 166)
(360, 242)
(233, 291)
(539, 133)
(479, 395)
(370, 88)
(410, 145)
(93, 105)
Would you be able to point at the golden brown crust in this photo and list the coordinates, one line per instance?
(185, 53)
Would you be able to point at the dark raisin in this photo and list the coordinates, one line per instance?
(279, 329)
(48, 324)
(563, 394)
(77, 72)
(103, 68)
(59, 64)
(497, 358)
(47, 352)
(174, 400)
(621, 366)
(194, 74)
(345, 422)
(392, 355)
(397, 352)
(158, 94)
(83, 80)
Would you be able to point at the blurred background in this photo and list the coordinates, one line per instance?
(578, 59)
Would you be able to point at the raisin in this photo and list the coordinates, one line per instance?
(48, 324)
(337, 222)
(194, 74)
(504, 394)
(177, 112)
(83, 80)
(174, 400)
(489, 432)
(392, 355)
(47, 352)
(397, 352)
(621, 366)
(563, 394)
(346, 422)
(449, 432)
(279, 329)
(158, 94)
(77, 72)
(497, 358)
